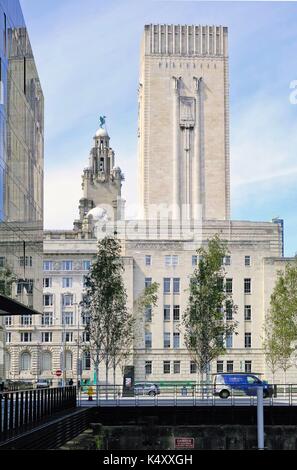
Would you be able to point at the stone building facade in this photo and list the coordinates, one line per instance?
(184, 172)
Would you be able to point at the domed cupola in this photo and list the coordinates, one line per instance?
(101, 137)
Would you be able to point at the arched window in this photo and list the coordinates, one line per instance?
(25, 361)
(46, 361)
(68, 361)
(86, 361)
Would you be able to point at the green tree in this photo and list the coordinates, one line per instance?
(148, 297)
(204, 320)
(283, 312)
(271, 346)
(7, 278)
(110, 324)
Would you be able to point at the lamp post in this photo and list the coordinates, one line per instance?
(78, 365)
(64, 349)
(38, 360)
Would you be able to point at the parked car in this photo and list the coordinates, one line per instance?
(42, 383)
(13, 385)
(224, 384)
(146, 388)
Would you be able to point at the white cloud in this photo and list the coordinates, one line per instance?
(264, 139)
(61, 195)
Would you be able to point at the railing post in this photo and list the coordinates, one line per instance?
(21, 408)
(34, 406)
(30, 415)
(260, 418)
(1, 414)
(5, 420)
(26, 407)
(10, 412)
(16, 411)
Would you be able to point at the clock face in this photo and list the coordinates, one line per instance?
(99, 214)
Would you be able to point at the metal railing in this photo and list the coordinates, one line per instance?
(23, 409)
(193, 395)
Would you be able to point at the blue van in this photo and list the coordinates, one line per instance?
(224, 384)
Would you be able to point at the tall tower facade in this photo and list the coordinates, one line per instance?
(101, 183)
(183, 131)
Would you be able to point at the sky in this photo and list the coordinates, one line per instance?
(87, 54)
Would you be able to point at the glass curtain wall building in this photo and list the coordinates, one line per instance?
(21, 185)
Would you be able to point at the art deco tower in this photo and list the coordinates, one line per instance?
(183, 131)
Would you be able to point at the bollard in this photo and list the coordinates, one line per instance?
(260, 418)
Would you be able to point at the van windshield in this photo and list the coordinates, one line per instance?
(252, 380)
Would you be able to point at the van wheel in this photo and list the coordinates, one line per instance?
(265, 394)
(152, 394)
(224, 394)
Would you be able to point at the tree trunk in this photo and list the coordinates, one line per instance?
(114, 379)
(97, 381)
(106, 376)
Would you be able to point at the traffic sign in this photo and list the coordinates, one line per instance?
(58, 373)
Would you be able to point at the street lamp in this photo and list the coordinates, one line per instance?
(38, 360)
(64, 348)
(78, 366)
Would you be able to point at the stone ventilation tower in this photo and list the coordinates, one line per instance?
(183, 121)
(101, 184)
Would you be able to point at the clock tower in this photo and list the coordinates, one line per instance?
(101, 182)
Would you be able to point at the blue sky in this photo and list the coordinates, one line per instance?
(87, 54)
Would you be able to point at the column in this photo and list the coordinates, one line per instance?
(196, 199)
(175, 163)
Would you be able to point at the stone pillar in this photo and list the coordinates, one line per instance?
(176, 142)
(196, 198)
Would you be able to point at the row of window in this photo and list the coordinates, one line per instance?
(176, 312)
(176, 340)
(167, 313)
(230, 366)
(247, 340)
(66, 265)
(46, 361)
(66, 282)
(27, 261)
(47, 318)
(174, 283)
(47, 337)
(173, 260)
(166, 340)
(167, 283)
(67, 300)
(174, 366)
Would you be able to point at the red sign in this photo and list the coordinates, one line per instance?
(58, 373)
(184, 443)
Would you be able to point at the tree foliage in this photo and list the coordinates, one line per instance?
(7, 278)
(110, 324)
(204, 320)
(271, 346)
(148, 297)
(281, 329)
